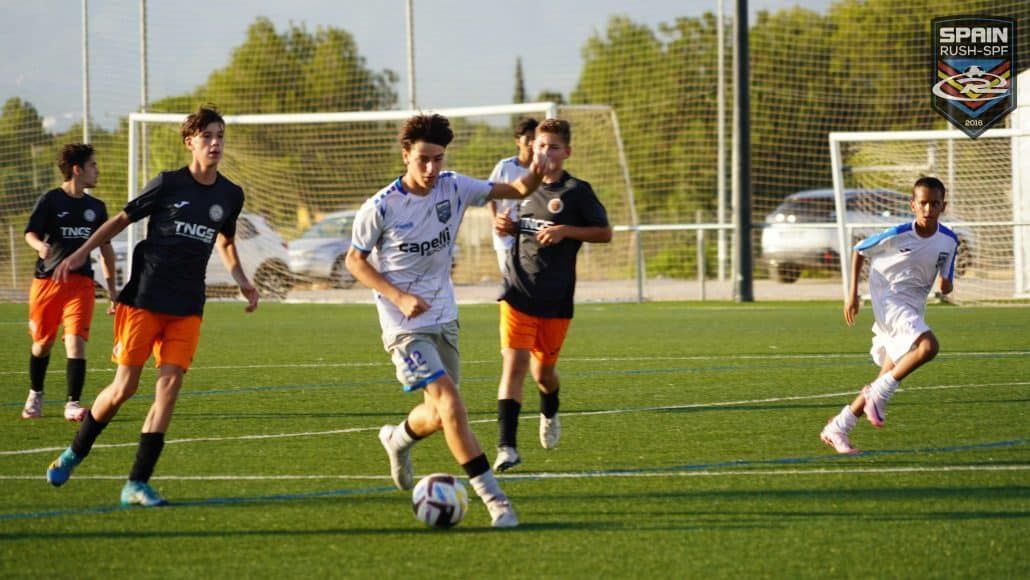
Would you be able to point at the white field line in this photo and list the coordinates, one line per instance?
(525, 417)
(731, 357)
(574, 474)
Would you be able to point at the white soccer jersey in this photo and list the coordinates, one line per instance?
(506, 171)
(903, 267)
(411, 240)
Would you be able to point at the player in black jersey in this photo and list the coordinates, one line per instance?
(539, 284)
(192, 211)
(62, 220)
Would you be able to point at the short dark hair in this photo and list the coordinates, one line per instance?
(71, 155)
(435, 129)
(195, 123)
(559, 127)
(932, 183)
(525, 126)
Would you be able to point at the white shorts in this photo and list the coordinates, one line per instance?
(895, 331)
(423, 355)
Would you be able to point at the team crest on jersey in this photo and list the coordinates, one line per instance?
(555, 205)
(89, 215)
(443, 211)
(216, 213)
(973, 86)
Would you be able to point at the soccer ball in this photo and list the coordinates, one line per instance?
(440, 500)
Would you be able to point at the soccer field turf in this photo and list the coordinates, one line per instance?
(690, 448)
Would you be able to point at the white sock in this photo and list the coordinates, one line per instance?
(845, 420)
(487, 488)
(885, 386)
(400, 439)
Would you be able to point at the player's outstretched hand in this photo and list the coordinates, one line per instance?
(411, 305)
(251, 294)
(542, 164)
(72, 262)
(505, 226)
(850, 311)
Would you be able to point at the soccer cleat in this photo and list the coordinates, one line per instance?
(141, 494)
(502, 515)
(74, 412)
(61, 469)
(837, 439)
(507, 458)
(33, 405)
(550, 431)
(875, 407)
(400, 461)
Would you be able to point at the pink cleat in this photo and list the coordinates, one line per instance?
(837, 439)
(875, 407)
(33, 406)
(74, 412)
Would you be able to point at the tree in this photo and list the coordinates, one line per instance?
(520, 83)
(26, 157)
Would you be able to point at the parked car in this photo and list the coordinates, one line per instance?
(262, 252)
(120, 244)
(321, 251)
(788, 249)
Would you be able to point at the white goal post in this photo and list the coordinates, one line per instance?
(988, 198)
(299, 168)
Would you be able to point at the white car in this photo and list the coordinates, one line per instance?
(788, 249)
(261, 249)
(321, 251)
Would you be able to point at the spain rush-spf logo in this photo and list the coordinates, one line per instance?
(973, 83)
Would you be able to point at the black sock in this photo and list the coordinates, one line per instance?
(477, 466)
(549, 403)
(37, 371)
(87, 435)
(508, 421)
(76, 378)
(150, 446)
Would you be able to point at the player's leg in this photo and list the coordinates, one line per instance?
(550, 338)
(877, 393)
(44, 320)
(174, 352)
(77, 317)
(518, 332)
(837, 431)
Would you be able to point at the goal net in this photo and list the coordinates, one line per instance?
(305, 174)
(988, 199)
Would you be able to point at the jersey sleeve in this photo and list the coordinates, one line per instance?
(228, 228)
(368, 225)
(497, 175)
(102, 216)
(40, 217)
(472, 191)
(877, 244)
(591, 209)
(146, 202)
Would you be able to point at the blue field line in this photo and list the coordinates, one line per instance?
(217, 501)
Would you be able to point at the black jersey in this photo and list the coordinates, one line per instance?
(541, 280)
(65, 222)
(169, 266)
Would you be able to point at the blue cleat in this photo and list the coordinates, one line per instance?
(61, 469)
(141, 494)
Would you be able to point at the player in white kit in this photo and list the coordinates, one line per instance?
(904, 263)
(508, 170)
(402, 248)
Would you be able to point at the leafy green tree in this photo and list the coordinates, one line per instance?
(26, 156)
(519, 95)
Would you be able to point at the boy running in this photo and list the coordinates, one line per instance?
(62, 221)
(409, 229)
(539, 284)
(904, 263)
(192, 210)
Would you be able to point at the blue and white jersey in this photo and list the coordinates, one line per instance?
(411, 241)
(506, 171)
(904, 266)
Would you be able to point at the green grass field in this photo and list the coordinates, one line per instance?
(690, 448)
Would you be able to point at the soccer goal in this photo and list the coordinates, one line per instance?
(988, 199)
(305, 174)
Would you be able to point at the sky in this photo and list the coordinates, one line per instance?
(465, 50)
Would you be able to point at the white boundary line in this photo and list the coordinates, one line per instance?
(384, 363)
(575, 474)
(524, 417)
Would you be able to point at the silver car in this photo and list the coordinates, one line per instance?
(321, 251)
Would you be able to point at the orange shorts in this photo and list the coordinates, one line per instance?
(543, 337)
(138, 332)
(52, 304)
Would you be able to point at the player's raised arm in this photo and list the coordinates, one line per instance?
(541, 166)
(103, 235)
